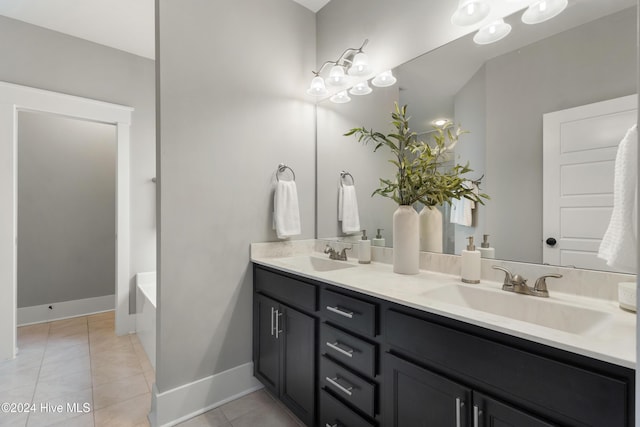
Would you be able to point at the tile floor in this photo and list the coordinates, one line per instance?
(69, 366)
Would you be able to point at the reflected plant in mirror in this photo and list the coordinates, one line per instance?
(423, 171)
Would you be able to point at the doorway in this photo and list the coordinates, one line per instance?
(16, 98)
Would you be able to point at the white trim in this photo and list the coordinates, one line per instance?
(14, 98)
(64, 310)
(189, 400)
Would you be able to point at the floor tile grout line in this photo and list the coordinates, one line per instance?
(33, 396)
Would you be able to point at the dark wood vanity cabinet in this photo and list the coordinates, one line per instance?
(345, 359)
(284, 350)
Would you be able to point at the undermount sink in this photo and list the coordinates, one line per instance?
(540, 311)
(314, 263)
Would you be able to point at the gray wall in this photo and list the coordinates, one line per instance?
(546, 76)
(233, 76)
(470, 112)
(66, 209)
(41, 58)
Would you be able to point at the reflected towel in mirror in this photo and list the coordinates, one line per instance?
(461, 209)
(348, 209)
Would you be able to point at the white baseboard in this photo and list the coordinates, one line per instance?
(187, 401)
(65, 309)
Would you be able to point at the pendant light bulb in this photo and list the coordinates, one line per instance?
(360, 65)
(543, 10)
(337, 77)
(361, 88)
(317, 87)
(491, 33)
(340, 98)
(470, 12)
(384, 79)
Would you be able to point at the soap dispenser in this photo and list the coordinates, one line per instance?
(470, 270)
(486, 251)
(378, 240)
(364, 249)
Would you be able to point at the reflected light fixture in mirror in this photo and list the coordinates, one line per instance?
(317, 87)
(337, 77)
(537, 12)
(495, 31)
(470, 12)
(543, 10)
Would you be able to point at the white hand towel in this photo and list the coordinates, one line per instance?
(461, 209)
(348, 209)
(286, 214)
(620, 241)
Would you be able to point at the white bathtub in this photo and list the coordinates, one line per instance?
(146, 313)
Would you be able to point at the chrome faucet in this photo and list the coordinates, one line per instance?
(518, 284)
(334, 254)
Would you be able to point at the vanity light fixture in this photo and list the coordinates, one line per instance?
(384, 79)
(340, 98)
(470, 12)
(354, 60)
(351, 69)
(543, 10)
(491, 33)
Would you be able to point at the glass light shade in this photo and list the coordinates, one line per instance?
(361, 88)
(317, 87)
(337, 77)
(384, 79)
(340, 98)
(440, 122)
(491, 33)
(470, 12)
(543, 10)
(360, 66)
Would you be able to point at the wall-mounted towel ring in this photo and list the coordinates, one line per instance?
(344, 175)
(282, 168)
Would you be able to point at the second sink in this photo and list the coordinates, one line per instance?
(543, 312)
(314, 263)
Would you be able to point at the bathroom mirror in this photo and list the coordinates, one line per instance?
(499, 93)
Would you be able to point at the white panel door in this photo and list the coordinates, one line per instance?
(579, 151)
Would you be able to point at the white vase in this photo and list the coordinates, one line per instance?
(406, 240)
(431, 229)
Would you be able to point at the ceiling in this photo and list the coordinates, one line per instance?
(126, 25)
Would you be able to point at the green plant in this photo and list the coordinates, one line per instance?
(422, 174)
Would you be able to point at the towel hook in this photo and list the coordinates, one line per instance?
(345, 174)
(282, 168)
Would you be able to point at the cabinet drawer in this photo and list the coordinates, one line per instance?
(542, 384)
(349, 386)
(354, 314)
(349, 350)
(335, 413)
(293, 292)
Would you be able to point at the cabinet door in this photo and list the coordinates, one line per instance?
(298, 363)
(267, 351)
(488, 412)
(416, 397)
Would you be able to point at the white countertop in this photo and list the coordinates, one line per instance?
(611, 341)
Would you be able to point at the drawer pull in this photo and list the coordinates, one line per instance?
(334, 346)
(334, 382)
(272, 313)
(459, 405)
(476, 416)
(347, 314)
(332, 425)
